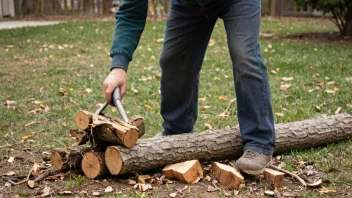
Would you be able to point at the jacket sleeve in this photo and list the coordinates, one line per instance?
(130, 23)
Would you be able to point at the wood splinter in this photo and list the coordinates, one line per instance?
(187, 171)
(226, 175)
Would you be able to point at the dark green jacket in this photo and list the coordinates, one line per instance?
(130, 23)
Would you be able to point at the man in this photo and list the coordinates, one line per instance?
(188, 29)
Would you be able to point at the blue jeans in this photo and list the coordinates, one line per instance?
(187, 34)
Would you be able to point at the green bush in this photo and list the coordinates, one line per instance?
(340, 9)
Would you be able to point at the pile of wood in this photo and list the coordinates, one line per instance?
(116, 150)
(101, 131)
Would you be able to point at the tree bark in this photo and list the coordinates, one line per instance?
(222, 144)
(102, 128)
(66, 159)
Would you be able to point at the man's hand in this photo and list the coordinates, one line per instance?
(116, 78)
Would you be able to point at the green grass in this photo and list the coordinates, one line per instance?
(35, 63)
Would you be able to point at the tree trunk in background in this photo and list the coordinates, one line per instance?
(106, 6)
(347, 29)
(223, 144)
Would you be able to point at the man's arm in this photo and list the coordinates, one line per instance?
(130, 23)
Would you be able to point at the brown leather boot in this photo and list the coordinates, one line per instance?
(253, 162)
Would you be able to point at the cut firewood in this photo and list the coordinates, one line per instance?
(138, 121)
(93, 165)
(113, 131)
(226, 175)
(222, 144)
(65, 159)
(274, 177)
(187, 172)
(291, 174)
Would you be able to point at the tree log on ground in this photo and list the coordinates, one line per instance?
(65, 159)
(106, 129)
(222, 144)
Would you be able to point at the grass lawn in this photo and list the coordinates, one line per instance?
(48, 73)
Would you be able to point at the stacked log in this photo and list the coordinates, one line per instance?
(120, 156)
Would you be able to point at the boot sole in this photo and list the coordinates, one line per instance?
(256, 172)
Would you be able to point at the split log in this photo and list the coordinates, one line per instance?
(187, 172)
(112, 131)
(222, 144)
(93, 165)
(226, 175)
(65, 159)
(274, 177)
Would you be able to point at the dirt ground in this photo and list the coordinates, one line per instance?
(75, 184)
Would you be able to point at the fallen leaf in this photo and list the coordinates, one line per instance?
(290, 194)
(211, 42)
(46, 191)
(236, 192)
(108, 189)
(88, 90)
(212, 189)
(11, 173)
(208, 126)
(269, 193)
(9, 102)
(159, 40)
(36, 111)
(223, 98)
(132, 182)
(26, 136)
(349, 78)
(37, 102)
(285, 87)
(157, 76)
(317, 183)
(327, 190)
(147, 106)
(279, 114)
(96, 193)
(7, 184)
(11, 159)
(31, 123)
(173, 194)
(336, 89)
(66, 192)
(329, 91)
(202, 99)
(62, 91)
(286, 79)
(330, 83)
(64, 124)
(338, 110)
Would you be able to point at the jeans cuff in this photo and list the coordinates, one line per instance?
(267, 150)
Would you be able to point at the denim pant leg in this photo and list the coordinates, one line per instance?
(187, 34)
(255, 115)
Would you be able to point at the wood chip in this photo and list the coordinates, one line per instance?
(212, 189)
(173, 194)
(269, 193)
(132, 182)
(108, 189)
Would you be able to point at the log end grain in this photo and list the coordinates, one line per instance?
(113, 160)
(58, 161)
(82, 120)
(130, 138)
(93, 165)
(226, 175)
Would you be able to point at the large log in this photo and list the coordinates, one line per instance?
(102, 128)
(222, 144)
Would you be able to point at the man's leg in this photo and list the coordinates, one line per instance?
(187, 34)
(242, 23)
